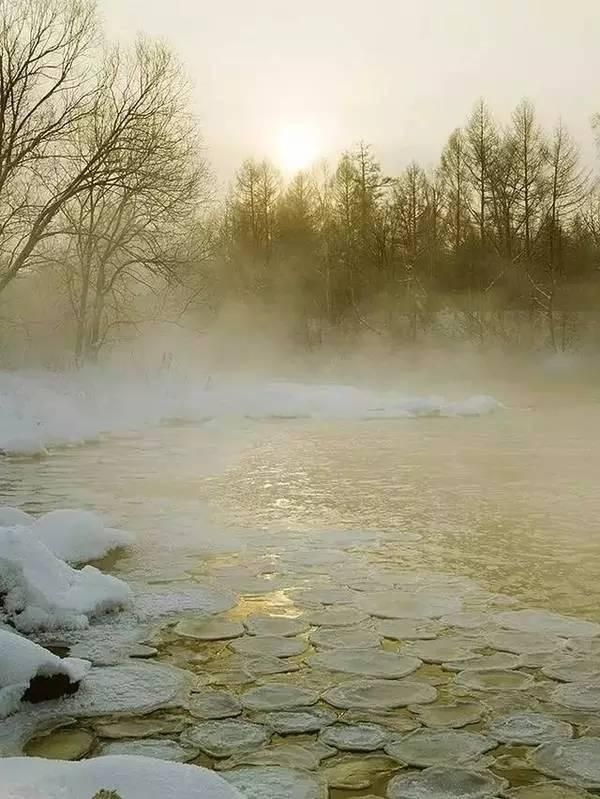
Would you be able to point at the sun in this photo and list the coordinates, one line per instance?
(298, 147)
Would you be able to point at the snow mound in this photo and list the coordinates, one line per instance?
(131, 777)
(42, 410)
(21, 660)
(42, 592)
(78, 536)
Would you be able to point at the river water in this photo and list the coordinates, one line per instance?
(510, 500)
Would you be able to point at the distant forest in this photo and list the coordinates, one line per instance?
(500, 240)
(110, 218)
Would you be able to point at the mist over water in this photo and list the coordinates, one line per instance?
(298, 470)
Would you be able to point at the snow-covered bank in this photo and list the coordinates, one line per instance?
(21, 661)
(41, 410)
(41, 591)
(130, 777)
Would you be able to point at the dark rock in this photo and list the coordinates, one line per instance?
(43, 688)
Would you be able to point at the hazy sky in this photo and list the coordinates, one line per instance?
(401, 75)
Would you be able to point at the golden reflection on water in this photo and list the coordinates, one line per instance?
(511, 500)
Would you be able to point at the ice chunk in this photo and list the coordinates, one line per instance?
(380, 694)
(440, 782)
(579, 696)
(424, 748)
(355, 737)
(169, 601)
(522, 642)
(366, 663)
(211, 704)
(444, 650)
(543, 621)
(295, 722)
(135, 688)
(573, 669)
(576, 762)
(275, 625)
(269, 646)
(529, 729)
(356, 773)
(336, 617)
(209, 629)
(409, 629)
(307, 755)
(159, 748)
(226, 737)
(345, 639)
(275, 782)
(494, 680)
(454, 714)
(278, 696)
(405, 605)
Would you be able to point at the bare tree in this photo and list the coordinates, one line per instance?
(46, 89)
(529, 151)
(141, 226)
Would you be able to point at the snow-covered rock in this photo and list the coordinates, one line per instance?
(42, 592)
(78, 536)
(27, 669)
(131, 777)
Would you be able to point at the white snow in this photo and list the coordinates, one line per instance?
(43, 592)
(78, 536)
(21, 660)
(40, 410)
(10, 517)
(131, 777)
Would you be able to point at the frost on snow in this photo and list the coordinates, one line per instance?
(27, 668)
(42, 592)
(131, 777)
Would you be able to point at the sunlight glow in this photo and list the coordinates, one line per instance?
(298, 147)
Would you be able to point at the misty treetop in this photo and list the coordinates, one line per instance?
(502, 235)
(109, 217)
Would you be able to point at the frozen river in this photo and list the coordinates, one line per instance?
(486, 514)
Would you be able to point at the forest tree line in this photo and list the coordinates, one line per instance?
(500, 238)
(109, 213)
